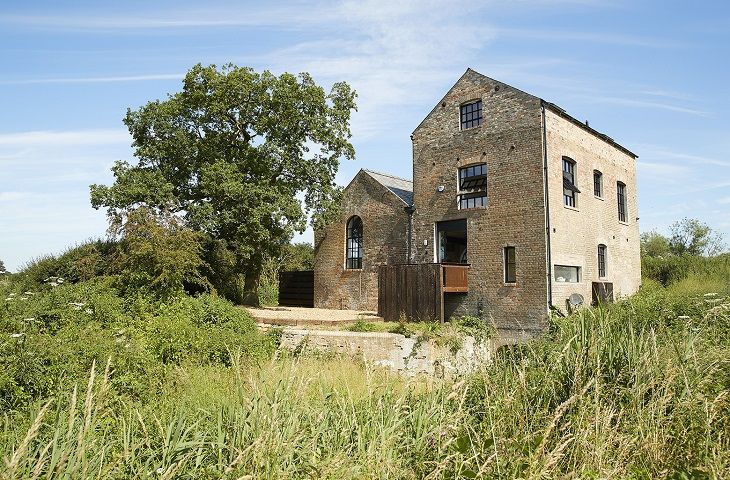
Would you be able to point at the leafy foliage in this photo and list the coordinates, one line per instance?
(233, 152)
(159, 255)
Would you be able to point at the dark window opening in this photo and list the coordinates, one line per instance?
(473, 186)
(601, 261)
(621, 198)
(569, 188)
(597, 184)
(354, 243)
(510, 265)
(451, 238)
(471, 115)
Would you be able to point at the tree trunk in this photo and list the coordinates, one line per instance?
(251, 287)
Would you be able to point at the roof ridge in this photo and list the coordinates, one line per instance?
(387, 175)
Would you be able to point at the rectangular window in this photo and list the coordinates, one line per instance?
(473, 186)
(569, 188)
(621, 198)
(601, 261)
(471, 115)
(567, 274)
(510, 265)
(597, 184)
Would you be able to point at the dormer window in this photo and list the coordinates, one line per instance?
(471, 115)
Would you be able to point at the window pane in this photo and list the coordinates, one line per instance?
(471, 115)
(510, 275)
(601, 260)
(567, 274)
(354, 244)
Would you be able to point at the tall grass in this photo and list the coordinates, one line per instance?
(639, 389)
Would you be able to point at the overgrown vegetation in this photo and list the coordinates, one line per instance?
(99, 379)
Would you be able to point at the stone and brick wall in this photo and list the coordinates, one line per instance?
(575, 233)
(385, 230)
(509, 140)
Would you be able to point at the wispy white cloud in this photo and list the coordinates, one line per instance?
(572, 35)
(659, 152)
(112, 79)
(64, 138)
(630, 102)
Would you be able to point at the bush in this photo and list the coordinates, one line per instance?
(50, 338)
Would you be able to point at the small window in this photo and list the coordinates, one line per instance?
(354, 243)
(569, 188)
(471, 115)
(621, 199)
(601, 261)
(473, 186)
(597, 184)
(510, 265)
(567, 274)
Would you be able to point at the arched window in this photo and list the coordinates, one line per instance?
(354, 243)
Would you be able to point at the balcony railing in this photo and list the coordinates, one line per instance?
(455, 278)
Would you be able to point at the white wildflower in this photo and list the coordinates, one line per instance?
(160, 471)
(16, 335)
(77, 305)
(24, 298)
(88, 311)
(28, 293)
(712, 294)
(12, 294)
(29, 319)
(9, 299)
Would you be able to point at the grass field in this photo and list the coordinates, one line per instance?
(638, 389)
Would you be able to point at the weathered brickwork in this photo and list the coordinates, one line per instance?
(577, 232)
(385, 229)
(509, 141)
(522, 140)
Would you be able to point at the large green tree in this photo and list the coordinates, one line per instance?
(243, 156)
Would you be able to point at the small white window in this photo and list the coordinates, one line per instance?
(567, 274)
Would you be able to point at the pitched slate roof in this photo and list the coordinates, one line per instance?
(399, 186)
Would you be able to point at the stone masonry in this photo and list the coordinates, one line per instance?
(509, 141)
(385, 231)
(522, 140)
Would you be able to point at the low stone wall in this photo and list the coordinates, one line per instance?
(396, 352)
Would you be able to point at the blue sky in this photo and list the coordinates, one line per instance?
(654, 75)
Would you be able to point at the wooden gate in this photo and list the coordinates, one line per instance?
(416, 291)
(296, 289)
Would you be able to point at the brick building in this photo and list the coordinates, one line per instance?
(538, 204)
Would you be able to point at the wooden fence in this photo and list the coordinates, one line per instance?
(416, 291)
(296, 289)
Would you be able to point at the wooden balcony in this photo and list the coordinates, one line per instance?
(454, 278)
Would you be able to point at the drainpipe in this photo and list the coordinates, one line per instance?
(409, 240)
(547, 210)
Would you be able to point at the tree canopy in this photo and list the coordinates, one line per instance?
(688, 236)
(245, 157)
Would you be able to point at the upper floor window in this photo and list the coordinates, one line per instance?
(597, 184)
(471, 114)
(569, 188)
(601, 261)
(354, 243)
(510, 265)
(473, 186)
(621, 199)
